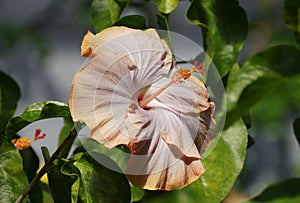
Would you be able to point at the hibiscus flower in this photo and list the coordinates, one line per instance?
(132, 93)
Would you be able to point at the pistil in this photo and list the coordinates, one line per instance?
(178, 76)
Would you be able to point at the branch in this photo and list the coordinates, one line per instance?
(40, 174)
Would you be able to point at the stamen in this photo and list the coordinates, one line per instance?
(198, 68)
(179, 75)
(184, 74)
(24, 142)
(21, 143)
(37, 135)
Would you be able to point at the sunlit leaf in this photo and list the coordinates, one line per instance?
(166, 6)
(132, 21)
(136, 193)
(296, 127)
(9, 96)
(100, 184)
(284, 191)
(224, 28)
(291, 14)
(35, 112)
(104, 13)
(222, 168)
(13, 179)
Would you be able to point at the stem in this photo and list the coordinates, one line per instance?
(40, 174)
(166, 16)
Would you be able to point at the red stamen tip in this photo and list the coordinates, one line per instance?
(37, 135)
(198, 68)
(43, 136)
(37, 132)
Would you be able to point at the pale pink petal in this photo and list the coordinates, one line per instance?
(151, 55)
(189, 96)
(89, 44)
(206, 129)
(94, 94)
(177, 176)
(168, 136)
(121, 69)
(189, 102)
(155, 163)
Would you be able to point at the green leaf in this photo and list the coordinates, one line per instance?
(136, 193)
(47, 197)
(239, 79)
(257, 90)
(296, 126)
(13, 179)
(9, 96)
(281, 192)
(59, 184)
(165, 31)
(222, 168)
(291, 14)
(46, 154)
(30, 162)
(66, 129)
(64, 133)
(259, 75)
(283, 59)
(224, 28)
(35, 112)
(70, 170)
(166, 6)
(31, 165)
(104, 13)
(116, 154)
(132, 21)
(254, 93)
(99, 184)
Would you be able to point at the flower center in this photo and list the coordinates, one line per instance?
(179, 76)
